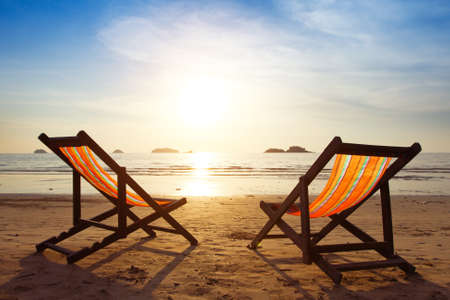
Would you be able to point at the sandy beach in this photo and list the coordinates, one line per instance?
(220, 267)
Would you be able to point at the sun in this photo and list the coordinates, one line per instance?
(202, 101)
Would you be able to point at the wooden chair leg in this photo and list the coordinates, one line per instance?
(290, 199)
(387, 216)
(76, 197)
(305, 223)
(328, 269)
(122, 203)
(290, 233)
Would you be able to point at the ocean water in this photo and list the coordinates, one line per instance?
(213, 174)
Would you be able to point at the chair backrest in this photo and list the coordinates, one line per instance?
(357, 173)
(80, 152)
(83, 160)
(352, 178)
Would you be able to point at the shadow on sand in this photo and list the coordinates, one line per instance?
(41, 278)
(413, 286)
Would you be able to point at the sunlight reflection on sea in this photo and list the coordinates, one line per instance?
(212, 174)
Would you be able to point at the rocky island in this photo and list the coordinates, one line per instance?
(274, 150)
(164, 150)
(117, 151)
(292, 149)
(297, 149)
(39, 151)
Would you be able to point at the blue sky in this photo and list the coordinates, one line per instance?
(225, 76)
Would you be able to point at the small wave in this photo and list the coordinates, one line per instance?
(417, 177)
(245, 169)
(180, 167)
(237, 168)
(427, 170)
(67, 170)
(54, 179)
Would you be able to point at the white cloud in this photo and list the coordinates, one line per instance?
(332, 17)
(328, 50)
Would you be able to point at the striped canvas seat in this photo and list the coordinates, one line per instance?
(352, 178)
(84, 161)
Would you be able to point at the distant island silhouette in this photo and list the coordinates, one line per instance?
(117, 151)
(164, 150)
(297, 149)
(292, 149)
(274, 150)
(40, 151)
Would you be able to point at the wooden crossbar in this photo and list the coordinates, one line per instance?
(350, 247)
(372, 150)
(282, 236)
(59, 249)
(158, 228)
(99, 225)
(369, 264)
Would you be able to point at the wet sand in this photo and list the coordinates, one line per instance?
(220, 267)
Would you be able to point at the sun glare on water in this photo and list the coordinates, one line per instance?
(199, 184)
(201, 162)
(202, 101)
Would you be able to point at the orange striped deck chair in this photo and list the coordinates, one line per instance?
(358, 172)
(82, 154)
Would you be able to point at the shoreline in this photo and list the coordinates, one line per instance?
(209, 186)
(220, 267)
(96, 194)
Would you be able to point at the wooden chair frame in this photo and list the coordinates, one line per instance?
(121, 208)
(308, 242)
